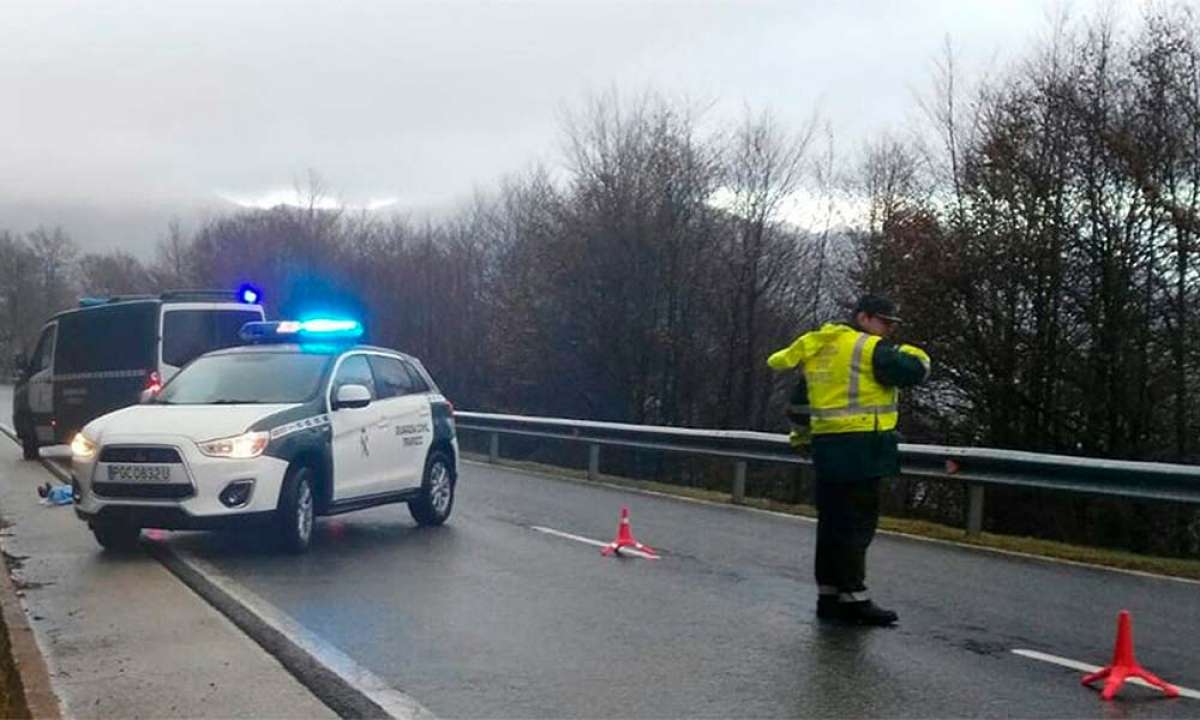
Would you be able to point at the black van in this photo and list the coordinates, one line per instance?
(101, 356)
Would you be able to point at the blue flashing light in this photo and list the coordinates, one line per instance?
(292, 331)
(249, 294)
(327, 325)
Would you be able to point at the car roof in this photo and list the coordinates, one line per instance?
(307, 349)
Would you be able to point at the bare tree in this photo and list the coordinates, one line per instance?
(764, 169)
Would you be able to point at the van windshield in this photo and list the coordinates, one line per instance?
(249, 378)
(188, 334)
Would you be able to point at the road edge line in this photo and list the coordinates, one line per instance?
(807, 519)
(337, 680)
(59, 474)
(589, 541)
(1089, 668)
(32, 668)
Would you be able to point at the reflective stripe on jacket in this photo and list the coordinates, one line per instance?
(844, 395)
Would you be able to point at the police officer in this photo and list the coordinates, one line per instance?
(845, 405)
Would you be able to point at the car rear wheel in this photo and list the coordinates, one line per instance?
(437, 491)
(116, 536)
(295, 515)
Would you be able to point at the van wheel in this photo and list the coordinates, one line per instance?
(29, 448)
(116, 536)
(437, 491)
(294, 516)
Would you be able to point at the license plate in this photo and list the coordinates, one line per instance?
(139, 473)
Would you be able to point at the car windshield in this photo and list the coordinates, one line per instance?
(259, 377)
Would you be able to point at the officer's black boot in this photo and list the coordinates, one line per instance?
(865, 612)
(827, 607)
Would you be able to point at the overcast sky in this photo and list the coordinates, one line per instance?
(116, 115)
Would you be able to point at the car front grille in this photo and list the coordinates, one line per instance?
(144, 491)
(133, 454)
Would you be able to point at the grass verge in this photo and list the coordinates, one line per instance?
(1175, 567)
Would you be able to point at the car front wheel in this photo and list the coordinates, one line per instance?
(294, 515)
(437, 491)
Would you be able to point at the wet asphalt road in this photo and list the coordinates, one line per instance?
(487, 617)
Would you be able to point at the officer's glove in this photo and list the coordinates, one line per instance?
(800, 438)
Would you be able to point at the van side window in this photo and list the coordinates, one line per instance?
(44, 352)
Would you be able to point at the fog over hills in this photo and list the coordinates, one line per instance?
(137, 228)
(103, 226)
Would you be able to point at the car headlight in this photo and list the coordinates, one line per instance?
(81, 447)
(245, 446)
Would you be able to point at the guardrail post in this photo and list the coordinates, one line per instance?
(974, 509)
(593, 462)
(494, 447)
(739, 482)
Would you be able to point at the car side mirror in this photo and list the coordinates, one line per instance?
(352, 396)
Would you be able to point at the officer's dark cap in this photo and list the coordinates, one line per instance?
(878, 306)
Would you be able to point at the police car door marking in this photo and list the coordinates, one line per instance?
(412, 434)
(315, 421)
(362, 439)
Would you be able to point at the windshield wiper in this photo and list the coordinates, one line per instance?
(228, 401)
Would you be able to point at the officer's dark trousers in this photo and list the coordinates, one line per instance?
(847, 514)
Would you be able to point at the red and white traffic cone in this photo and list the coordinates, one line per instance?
(1124, 665)
(625, 539)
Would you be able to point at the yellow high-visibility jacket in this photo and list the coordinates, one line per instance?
(840, 365)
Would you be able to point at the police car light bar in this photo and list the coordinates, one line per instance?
(290, 331)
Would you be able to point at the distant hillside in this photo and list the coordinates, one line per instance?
(96, 228)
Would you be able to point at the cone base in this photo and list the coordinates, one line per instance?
(1116, 675)
(616, 546)
(1124, 666)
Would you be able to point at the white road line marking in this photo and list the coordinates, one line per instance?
(482, 465)
(1084, 667)
(395, 703)
(589, 541)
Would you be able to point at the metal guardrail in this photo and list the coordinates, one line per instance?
(975, 467)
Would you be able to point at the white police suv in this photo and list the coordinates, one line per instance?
(298, 423)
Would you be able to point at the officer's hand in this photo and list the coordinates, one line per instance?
(801, 440)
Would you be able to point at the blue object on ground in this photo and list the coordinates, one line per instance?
(59, 495)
